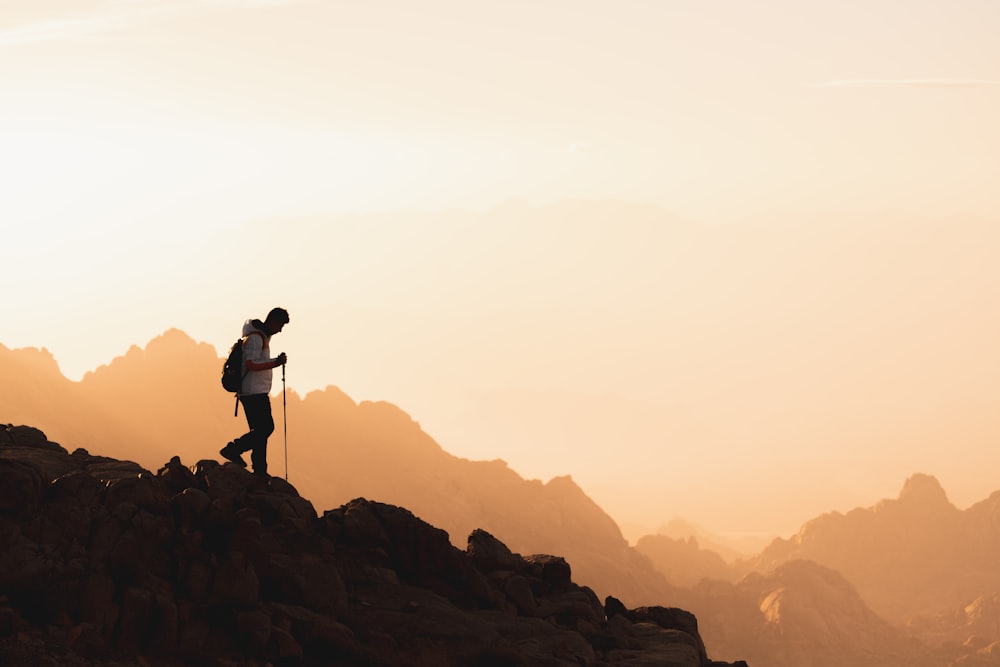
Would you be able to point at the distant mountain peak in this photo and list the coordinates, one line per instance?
(173, 335)
(32, 359)
(923, 489)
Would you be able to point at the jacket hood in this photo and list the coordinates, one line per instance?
(253, 325)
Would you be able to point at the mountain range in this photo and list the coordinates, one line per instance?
(915, 556)
(911, 580)
(908, 581)
(165, 400)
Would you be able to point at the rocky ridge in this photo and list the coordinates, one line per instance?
(102, 561)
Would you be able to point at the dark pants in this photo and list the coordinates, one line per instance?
(257, 408)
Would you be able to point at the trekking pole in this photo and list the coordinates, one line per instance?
(284, 417)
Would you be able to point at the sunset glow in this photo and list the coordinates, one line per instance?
(685, 252)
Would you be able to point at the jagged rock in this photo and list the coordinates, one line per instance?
(101, 560)
(177, 477)
(27, 436)
(614, 607)
(673, 619)
(653, 646)
(419, 553)
(490, 554)
(554, 571)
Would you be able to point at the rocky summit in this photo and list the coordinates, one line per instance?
(104, 562)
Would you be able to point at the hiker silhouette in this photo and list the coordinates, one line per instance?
(255, 391)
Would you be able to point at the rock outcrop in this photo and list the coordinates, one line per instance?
(103, 560)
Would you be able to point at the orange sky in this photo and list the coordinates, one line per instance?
(135, 133)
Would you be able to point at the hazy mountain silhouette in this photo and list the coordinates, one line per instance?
(729, 548)
(683, 561)
(911, 556)
(802, 613)
(164, 400)
(909, 581)
(34, 391)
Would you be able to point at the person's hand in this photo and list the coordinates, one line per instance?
(282, 359)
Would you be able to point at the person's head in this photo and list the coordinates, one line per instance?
(276, 320)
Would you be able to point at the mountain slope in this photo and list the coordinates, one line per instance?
(164, 400)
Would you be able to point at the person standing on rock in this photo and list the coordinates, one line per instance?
(255, 392)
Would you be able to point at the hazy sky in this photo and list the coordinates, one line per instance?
(133, 132)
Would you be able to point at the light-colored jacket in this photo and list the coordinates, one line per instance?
(256, 348)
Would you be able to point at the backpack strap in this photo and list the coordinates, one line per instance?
(236, 408)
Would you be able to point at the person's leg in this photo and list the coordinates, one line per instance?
(258, 410)
(237, 446)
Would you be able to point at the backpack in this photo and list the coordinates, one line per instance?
(234, 370)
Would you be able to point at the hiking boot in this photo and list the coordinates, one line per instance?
(230, 454)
